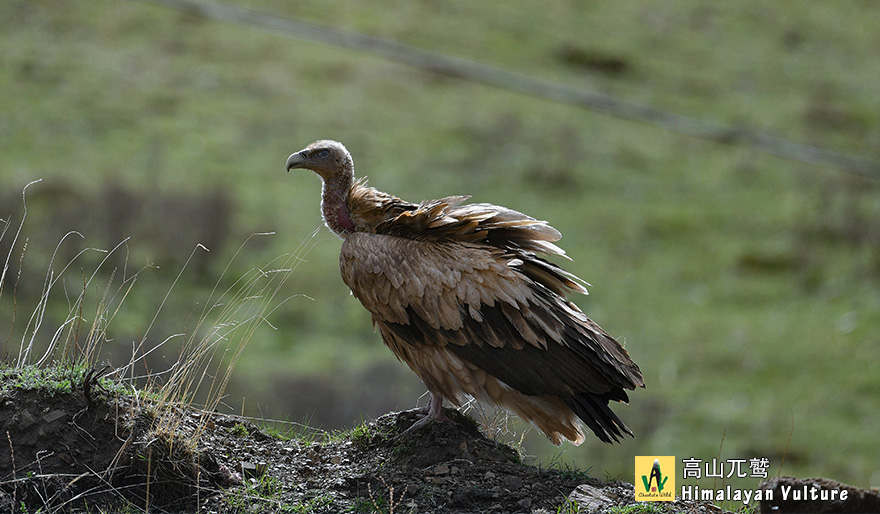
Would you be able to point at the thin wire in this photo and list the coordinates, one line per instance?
(504, 79)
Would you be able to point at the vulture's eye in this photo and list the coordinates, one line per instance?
(323, 153)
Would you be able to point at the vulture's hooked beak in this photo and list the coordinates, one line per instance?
(296, 160)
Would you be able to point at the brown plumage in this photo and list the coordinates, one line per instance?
(459, 294)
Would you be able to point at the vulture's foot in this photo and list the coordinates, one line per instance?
(432, 412)
(416, 413)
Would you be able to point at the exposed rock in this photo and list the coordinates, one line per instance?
(590, 499)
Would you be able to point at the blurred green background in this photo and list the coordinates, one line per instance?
(744, 285)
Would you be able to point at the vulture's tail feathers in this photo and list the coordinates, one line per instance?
(593, 410)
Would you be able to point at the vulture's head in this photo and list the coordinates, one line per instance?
(327, 158)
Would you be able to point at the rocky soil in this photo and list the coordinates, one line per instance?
(76, 452)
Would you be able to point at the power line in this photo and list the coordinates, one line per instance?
(524, 84)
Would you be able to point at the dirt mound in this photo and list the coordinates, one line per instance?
(452, 467)
(53, 442)
(74, 452)
(68, 450)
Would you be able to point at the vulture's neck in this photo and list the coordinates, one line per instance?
(333, 202)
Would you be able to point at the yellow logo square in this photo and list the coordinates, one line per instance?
(655, 479)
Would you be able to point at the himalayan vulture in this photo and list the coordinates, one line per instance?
(459, 293)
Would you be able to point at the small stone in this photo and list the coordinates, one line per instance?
(228, 476)
(55, 415)
(591, 497)
(512, 483)
(442, 469)
(525, 503)
(254, 469)
(489, 475)
(248, 469)
(25, 421)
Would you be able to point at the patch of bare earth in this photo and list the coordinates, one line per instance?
(64, 453)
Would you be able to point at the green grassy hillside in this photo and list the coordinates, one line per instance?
(746, 286)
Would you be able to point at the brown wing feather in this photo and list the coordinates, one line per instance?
(475, 298)
(489, 307)
(460, 295)
(445, 219)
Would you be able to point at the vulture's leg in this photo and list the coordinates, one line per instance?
(434, 413)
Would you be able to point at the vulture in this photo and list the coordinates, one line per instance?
(460, 294)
